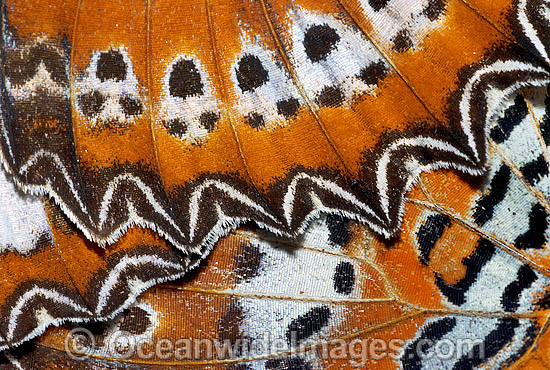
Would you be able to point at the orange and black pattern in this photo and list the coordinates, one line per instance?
(190, 119)
(471, 262)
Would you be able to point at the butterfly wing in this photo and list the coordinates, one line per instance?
(264, 111)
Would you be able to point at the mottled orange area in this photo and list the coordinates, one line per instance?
(35, 19)
(494, 11)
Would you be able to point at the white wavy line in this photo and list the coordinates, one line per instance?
(530, 31)
(381, 171)
(108, 195)
(47, 294)
(42, 153)
(290, 195)
(234, 193)
(497, 67)
(114, 274)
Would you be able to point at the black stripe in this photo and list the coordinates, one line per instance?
(535, 170)
(412, 357)
(513, 116)
(455, 293)
(486, 205)
(429, 233)
(535, 237)
(545, 123)
(493, 343)
(510, 299)
(308, 324)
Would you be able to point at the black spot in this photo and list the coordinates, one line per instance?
(288, 107)
(319, 41)
(208, 120)
(512, 117)
(91, 104)
(22, 65)
(485, 207)
(495, 341)
(344, 278)
(255, 120)
(111, 66)
(251, 74)
(378, 4)
(338, 227)
(176, 127)
(247, 262)
(418, 349)
(287, 363)
(429, 233)
(185, 80)
(434, 9)
(308, 324)
(510, 297)
(54, 63)
(535, 237)
(534, 170)
(373, 73)
(229, 326)
(135, 320)
(43, 240)
(455, 293)
(130, 106)
(331, 96)
(402, 41)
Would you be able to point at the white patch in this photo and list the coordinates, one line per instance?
(263, 99)
(290, 283)
(342, 65)
(188, 110)
(399, 15)
(23, 218)
(112, 91)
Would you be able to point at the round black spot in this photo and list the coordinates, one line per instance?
(331, 96)
(135, 320)
(344, 278)
(319, 40)
(185, 80)
(130, 106)
(251, 74)
(208, 120)
(402, 41)
(255, 120)
(91, 104)
(288, 107)
(373, 73)
(378, 4)
(111, 66)
(176, 127)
